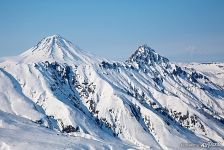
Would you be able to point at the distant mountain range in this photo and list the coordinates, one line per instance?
(57, 96)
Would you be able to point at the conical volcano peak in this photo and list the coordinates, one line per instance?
(146, 55)
(55, 36)
(55, 48)
(52, 40)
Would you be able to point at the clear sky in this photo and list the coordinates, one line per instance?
(181, 30)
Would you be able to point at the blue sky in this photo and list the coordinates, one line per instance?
(181, 30)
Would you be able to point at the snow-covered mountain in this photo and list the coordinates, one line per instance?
(56, 96)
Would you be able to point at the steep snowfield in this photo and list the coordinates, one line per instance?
(20, 133)
(56, 96)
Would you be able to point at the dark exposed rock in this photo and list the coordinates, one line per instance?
(145, 55)
(70, 128)
(179, 72)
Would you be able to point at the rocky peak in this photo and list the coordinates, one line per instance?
(148, 56)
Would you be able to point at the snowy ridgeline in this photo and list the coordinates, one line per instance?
(56, 96)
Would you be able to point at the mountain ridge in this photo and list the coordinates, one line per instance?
(146, 102)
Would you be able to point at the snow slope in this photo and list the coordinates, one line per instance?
(215, 71)
(71, 99)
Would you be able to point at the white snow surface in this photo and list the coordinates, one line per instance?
(56, 96)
